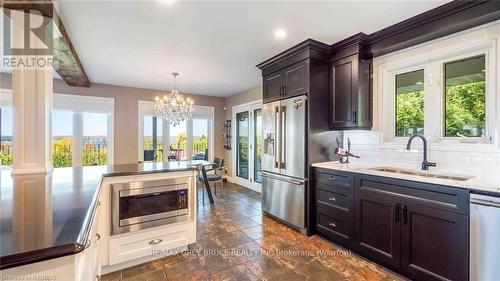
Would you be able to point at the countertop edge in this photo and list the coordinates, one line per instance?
(39, 255)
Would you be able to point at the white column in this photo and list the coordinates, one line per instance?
(32, 104)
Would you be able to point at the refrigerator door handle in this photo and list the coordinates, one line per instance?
(278, 137)
(283, 138)
(283, 178)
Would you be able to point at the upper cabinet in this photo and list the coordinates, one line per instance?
(289, 82)
(300, 70)
(351, 93)
(335, 78)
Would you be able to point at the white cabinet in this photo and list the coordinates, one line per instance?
(87, 262)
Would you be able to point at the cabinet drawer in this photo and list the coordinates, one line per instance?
(338, 198)
(334, 179)
(143, 243)
(335, 228)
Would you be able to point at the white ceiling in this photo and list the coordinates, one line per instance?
(214, 45)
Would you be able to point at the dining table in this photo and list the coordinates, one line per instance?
(202, 166)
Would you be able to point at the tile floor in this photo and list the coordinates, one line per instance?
(236, 242)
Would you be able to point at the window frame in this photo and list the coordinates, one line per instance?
(79, 105)
(433, 63)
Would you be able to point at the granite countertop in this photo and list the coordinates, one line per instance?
(44, 216)
(479, 182)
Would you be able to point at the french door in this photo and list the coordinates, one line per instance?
(247, 145)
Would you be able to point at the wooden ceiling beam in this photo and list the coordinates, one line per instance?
(66, 61)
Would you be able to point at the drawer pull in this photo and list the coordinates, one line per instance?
(155, 241)
(332, 199)
(332, 224)
(332, 178)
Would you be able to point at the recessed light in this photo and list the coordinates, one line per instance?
(168, 2)
(280, 33)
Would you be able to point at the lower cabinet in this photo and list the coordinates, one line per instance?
(419, 230)
(377, 228)
(434, 244)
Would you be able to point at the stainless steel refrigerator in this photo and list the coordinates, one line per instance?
(284, 160)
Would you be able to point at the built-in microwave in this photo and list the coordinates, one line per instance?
(144, 204)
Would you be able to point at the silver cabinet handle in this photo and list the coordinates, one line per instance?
(332, 199)
(332, 178)
(155, 241)
(332, 224)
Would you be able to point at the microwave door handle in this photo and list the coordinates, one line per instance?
(283, 138)
(277, 131)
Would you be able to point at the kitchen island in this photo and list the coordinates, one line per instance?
(59, 224)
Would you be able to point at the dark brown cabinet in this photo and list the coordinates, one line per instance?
(377, 227)
(288, 82)
(351, 99)
(334, 197)
(434, 243)
(273, 87)
(417, 229)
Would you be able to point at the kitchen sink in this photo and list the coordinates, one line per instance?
(421, 174)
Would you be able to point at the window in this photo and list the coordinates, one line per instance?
(95, 139)
(410, 103)
(177, 142)
(465, 97)
(200, 139)
(192, 139)
(449, 99)
(5, 133)
(81, 131)
(153, 139)
(62, 138)
(242, 131)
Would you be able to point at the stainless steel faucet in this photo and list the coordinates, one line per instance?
(425, 164)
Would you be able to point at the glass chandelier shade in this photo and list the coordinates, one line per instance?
(173, 107)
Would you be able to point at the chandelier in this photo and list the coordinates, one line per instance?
(173, 107)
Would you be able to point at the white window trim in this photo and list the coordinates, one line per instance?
(432, 60)
(146, 108)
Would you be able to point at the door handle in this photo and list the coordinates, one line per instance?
(405, 214)
(277, 130)
(396, 212)
(354, 117)
(284, 90)
(281, 91)
(283, 138)
(332, 178)
(332, 199)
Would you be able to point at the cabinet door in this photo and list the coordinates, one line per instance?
(296, 79)
(434, 244)
(273, 87)
(377, 227)
(344, 97)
